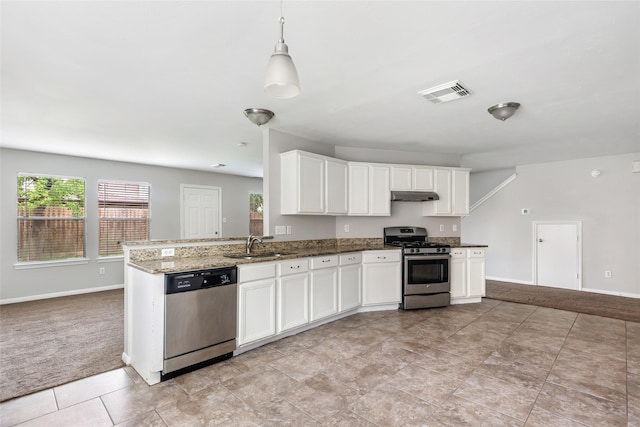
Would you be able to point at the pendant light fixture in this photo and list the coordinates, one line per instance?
(282, 78)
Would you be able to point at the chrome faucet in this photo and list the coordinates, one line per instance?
(250, 241)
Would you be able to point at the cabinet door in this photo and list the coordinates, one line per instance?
(257, 310)
(381, 283)
(476, 276)
(401, 178)
(442, 186)
(324, 293)
(311, 184)
(336, 188)
(459, 288)
(423, 179)
(379, 191)
(358, 189)
(293, 301)
(460, 192)
(349, 285)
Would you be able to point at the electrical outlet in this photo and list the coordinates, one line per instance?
(288, 229)
(346, 228)
(101, 270)
(441, 227)
(455, 227)
(168, 252)
(281, 229)
(607, 274)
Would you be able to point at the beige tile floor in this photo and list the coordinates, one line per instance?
(492, 364)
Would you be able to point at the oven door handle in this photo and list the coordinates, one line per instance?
(423, 257)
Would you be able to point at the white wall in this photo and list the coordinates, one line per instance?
(165, 216)
(356, 154)
(608, 206)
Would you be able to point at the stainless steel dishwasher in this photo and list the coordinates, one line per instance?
(200, 319)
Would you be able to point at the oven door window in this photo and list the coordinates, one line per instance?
(425, 271)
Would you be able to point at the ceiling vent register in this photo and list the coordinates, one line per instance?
(446, 92)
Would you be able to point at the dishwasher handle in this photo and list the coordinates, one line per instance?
(202, 279)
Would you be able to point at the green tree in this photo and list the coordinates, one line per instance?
(256, 202)
(35, 193)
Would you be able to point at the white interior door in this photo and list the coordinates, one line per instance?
(201, 212)
(558, 262)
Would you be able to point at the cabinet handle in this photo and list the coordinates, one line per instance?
(382, 257)
(295, 267)
(326, 260)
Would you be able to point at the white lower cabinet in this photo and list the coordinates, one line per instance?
(256, 310)
(381, 277)
(324, 287)
(274, 298)
(293, 294)
(350, 282)
(467, 275)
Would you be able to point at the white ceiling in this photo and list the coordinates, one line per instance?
(165, 82)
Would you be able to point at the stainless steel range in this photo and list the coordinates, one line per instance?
(425, 269)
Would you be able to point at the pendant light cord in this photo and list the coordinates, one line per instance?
(281, 21)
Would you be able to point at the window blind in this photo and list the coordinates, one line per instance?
(123, 215)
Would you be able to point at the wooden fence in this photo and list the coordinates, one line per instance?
(53, 233)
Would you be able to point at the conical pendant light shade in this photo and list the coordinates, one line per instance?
(281, 80)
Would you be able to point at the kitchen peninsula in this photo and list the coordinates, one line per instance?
(283, 289)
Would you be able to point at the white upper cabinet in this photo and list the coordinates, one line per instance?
(452, 186)
(411, 178)
(312, 184)
(369, 193)
(336, 188)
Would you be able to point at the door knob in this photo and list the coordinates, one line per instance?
(540, 240)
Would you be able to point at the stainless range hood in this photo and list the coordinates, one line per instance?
(413, 196)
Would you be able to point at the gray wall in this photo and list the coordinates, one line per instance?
(481, 183)
(165, 216)
(608, 206)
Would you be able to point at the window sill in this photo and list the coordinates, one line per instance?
(114, 258)
(44, 264)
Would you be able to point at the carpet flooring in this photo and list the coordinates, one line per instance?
(47, 343)
(563, 299)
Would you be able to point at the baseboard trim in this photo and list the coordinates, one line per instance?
(502, 279)
(60, 294)
(614, 293)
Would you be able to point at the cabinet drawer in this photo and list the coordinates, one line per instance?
(324, 261)
(348, 259)
(294, 266)
(458, 253)
(248, 273)
(381, 256)
(476, 253)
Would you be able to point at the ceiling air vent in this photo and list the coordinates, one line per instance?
(446, 92)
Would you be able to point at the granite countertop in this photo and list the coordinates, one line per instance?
(178, 264)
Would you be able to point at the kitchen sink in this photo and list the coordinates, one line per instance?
(255, 256)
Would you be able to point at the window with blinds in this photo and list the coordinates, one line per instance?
(51, 218)
(123, 215)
